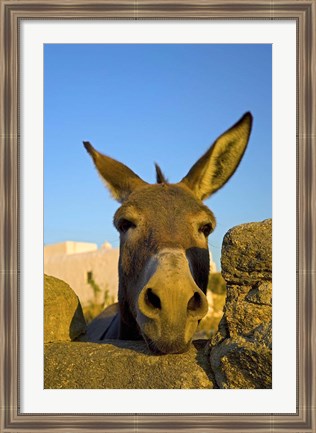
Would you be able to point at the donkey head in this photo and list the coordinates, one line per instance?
(164, 258)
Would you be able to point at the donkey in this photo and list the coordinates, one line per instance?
(164, 257)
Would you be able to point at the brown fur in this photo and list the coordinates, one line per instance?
(164, 258)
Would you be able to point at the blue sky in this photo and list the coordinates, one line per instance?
(142, 103)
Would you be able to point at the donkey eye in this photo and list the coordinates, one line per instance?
(206, 229)
(124, 225)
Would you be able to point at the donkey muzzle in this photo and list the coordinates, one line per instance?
(170, 304)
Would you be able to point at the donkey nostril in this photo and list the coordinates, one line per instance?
(152, 300)
(195, 302)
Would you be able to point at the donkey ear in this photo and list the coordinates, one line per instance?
(160, 177)
(219, 163)
(119, 179)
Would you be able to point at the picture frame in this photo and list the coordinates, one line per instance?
(303, 12)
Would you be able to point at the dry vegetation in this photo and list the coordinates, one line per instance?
(216, 295)
(98, 303)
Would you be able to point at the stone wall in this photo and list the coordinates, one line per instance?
(118, 364)
(241, 351)
(238, 356)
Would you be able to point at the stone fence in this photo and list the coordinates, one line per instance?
(238, 356)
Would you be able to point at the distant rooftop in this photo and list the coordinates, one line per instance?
(69, 247)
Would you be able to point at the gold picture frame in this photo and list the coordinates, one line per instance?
(303, 12)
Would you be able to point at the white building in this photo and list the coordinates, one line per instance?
(78, 263)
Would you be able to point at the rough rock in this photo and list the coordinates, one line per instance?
(247, 253)
(63, 317)
(242, 364)
(118, 364)
(241, 350)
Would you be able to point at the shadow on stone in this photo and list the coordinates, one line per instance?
(63, 317)
(77, 324)
(202, 359)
